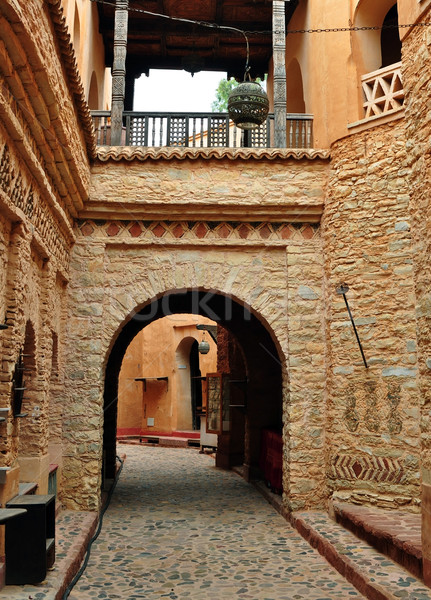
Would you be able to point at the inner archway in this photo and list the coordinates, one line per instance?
(263, 368)
(160, 379)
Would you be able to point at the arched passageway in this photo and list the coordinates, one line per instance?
(261, 360)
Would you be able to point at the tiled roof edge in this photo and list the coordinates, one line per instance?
(139, 153)
(73, 78)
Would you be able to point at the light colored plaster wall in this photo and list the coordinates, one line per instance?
(129, 419)
(90, 54)
(332, 62)
(326, 68)
(410, 11)
(373, 414)
(157, 351)
(297, 47)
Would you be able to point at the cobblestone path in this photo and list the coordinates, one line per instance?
(178, 528)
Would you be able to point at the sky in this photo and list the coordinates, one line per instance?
(167, 91)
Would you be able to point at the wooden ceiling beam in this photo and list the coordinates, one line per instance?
(218, 20)
(154, 39)
(161, 9)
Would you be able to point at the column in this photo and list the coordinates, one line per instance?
(119, 70)
(279, 56)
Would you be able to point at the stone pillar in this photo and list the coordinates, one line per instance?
(119, 70)
(279, 57)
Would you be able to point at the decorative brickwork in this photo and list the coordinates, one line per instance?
(275, 263)
(202, 230)
(21, 192)
(366, 468)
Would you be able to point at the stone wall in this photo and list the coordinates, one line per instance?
(373, 434)
(416, 69)
(123, 260)
(213, 184)
(43, 101)
(44, 174)
(5, 227)
(305, 407)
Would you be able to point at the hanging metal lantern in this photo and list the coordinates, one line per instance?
(248, 105)
(204, 347)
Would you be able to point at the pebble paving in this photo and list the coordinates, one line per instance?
(178, 528)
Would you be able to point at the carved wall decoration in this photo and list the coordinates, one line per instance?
(12, 183)
(395, 423)
(351, 416)
(373, 405)
(366, 468)
(371, 419)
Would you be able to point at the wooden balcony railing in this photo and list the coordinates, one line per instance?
(383, 91)
(199, 130)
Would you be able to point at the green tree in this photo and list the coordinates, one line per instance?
(222, 94)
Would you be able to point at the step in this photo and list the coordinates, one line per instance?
(376, 576)
(395, 533)
(168, 441)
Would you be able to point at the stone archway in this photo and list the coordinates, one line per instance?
(118, 274)
(263, 363)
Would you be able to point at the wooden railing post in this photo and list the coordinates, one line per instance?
(279, 50)
(119, 70)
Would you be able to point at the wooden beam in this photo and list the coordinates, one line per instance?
(119, 70)
(279, 57)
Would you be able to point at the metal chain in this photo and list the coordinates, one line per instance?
(366, 28)
(269, 32)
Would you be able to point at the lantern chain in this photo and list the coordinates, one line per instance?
(246, 32)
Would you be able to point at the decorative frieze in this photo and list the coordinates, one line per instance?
(22, 194)
(195, 231)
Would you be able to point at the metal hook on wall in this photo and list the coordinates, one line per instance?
(342, 291)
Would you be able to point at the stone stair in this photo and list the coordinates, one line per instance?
(168, 441)
(395, 533)
(376, 576)
(372, 548)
